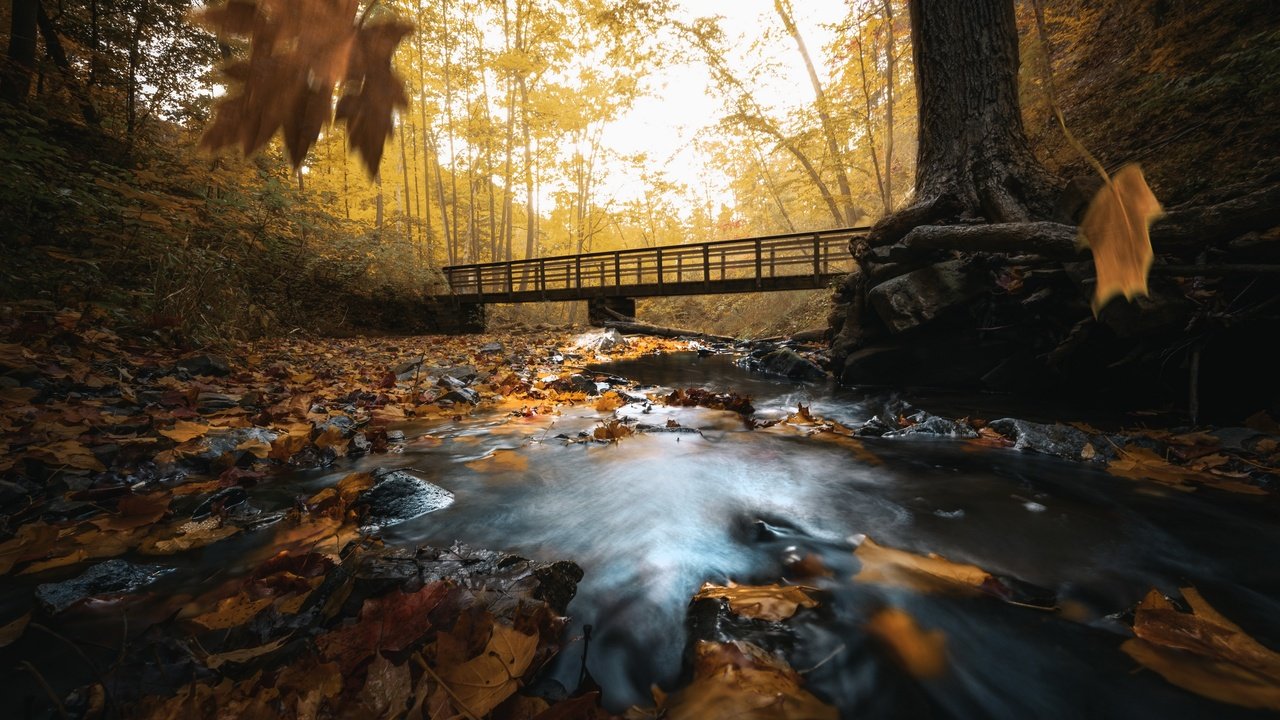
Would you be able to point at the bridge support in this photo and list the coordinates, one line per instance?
(599, 309)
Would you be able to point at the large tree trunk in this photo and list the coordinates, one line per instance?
(972, 143)
(16, 83)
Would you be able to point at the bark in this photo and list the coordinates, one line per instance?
(972, 142)
(16, 83)
(54, 50)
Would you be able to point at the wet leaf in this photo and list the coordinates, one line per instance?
(67, 453)
(11, 631)
(31, 542)
(923, 653)
(738, 680)
(501, 461)
(924, 573)
(213, 662)
(182, 431)
(387, 689)
(612, 431)
(232, 612)
(764, 602)
(1115, 228)
(1204, 652)
(391, 622)
(483, 682)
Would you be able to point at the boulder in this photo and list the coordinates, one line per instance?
(400, 496)
(934, 426)
(113, 577)
(785, 362)
(920, 296)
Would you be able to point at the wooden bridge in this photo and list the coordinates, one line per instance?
(613, 279)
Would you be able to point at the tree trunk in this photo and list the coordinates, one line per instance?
(972, 143)
(16, 84)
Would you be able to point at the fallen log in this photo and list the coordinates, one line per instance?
(635, 328)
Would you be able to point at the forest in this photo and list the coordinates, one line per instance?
(635, 359)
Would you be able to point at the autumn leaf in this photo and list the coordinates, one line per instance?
(483, 682)
(217, 660)
(612, 431)
(67, 453)
(925, 573)
(741, 681)
(373, 91)
(391, 622)
(31, 542)
(11, 631)
(1115, 228)
(920, 652)
(764, 602)
(1204, 652)
(182, 431)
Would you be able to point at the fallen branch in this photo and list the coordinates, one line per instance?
(634, 328)
(1041, 238)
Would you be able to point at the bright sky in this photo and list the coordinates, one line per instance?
(665, 126)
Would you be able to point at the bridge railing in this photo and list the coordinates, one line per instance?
(819, 254)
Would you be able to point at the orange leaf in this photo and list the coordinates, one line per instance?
(1115, 228)
(923, 653)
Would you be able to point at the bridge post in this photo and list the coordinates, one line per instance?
(817, 257)
(706, 268)
(759, 263)
(604, 309)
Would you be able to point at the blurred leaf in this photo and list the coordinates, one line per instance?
(1115, 228)
(921, 653)
(765, 602)
(1204, 652)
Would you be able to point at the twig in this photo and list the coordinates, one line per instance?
(839, 649)
(53, 697)
(427, 669)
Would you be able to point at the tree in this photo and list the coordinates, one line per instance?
(973, 153)
(16, 82)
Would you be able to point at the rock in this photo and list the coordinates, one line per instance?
(787, 363)
(1057, 440)
(599, 341)
(215, 446)
(462, 395)
(113, 577)
(934, 426)
(205, 364)
(399, 497)
(220, 501)
(879, 365)
(345, 424)
(462, 373)
(920, 296)
(216, 401)
(490, 348)
(407, 368)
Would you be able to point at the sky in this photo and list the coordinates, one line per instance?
(664, 125)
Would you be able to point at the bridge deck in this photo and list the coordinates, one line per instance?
(796, 261)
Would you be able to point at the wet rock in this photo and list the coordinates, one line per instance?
(710, 619)
(491, 348)
(785, 362)
(407, 368)
(399, 497)
(220, 502)
(462, 395)
(920, 296)
(215, 446)
(1057, 440)
(205, 364)
(600, 341)
(462, 373)
(113, 577)
(345, 424)
(216, 401)
(934, 426)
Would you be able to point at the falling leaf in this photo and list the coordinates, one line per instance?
(1204, 652)
(923, 653)
(1115, 228)
(764, 602)
(483, 682)
(373, 91)
(739, 681)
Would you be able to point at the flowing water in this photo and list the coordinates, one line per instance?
(652, 517)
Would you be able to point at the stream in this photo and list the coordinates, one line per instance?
(653, 516)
